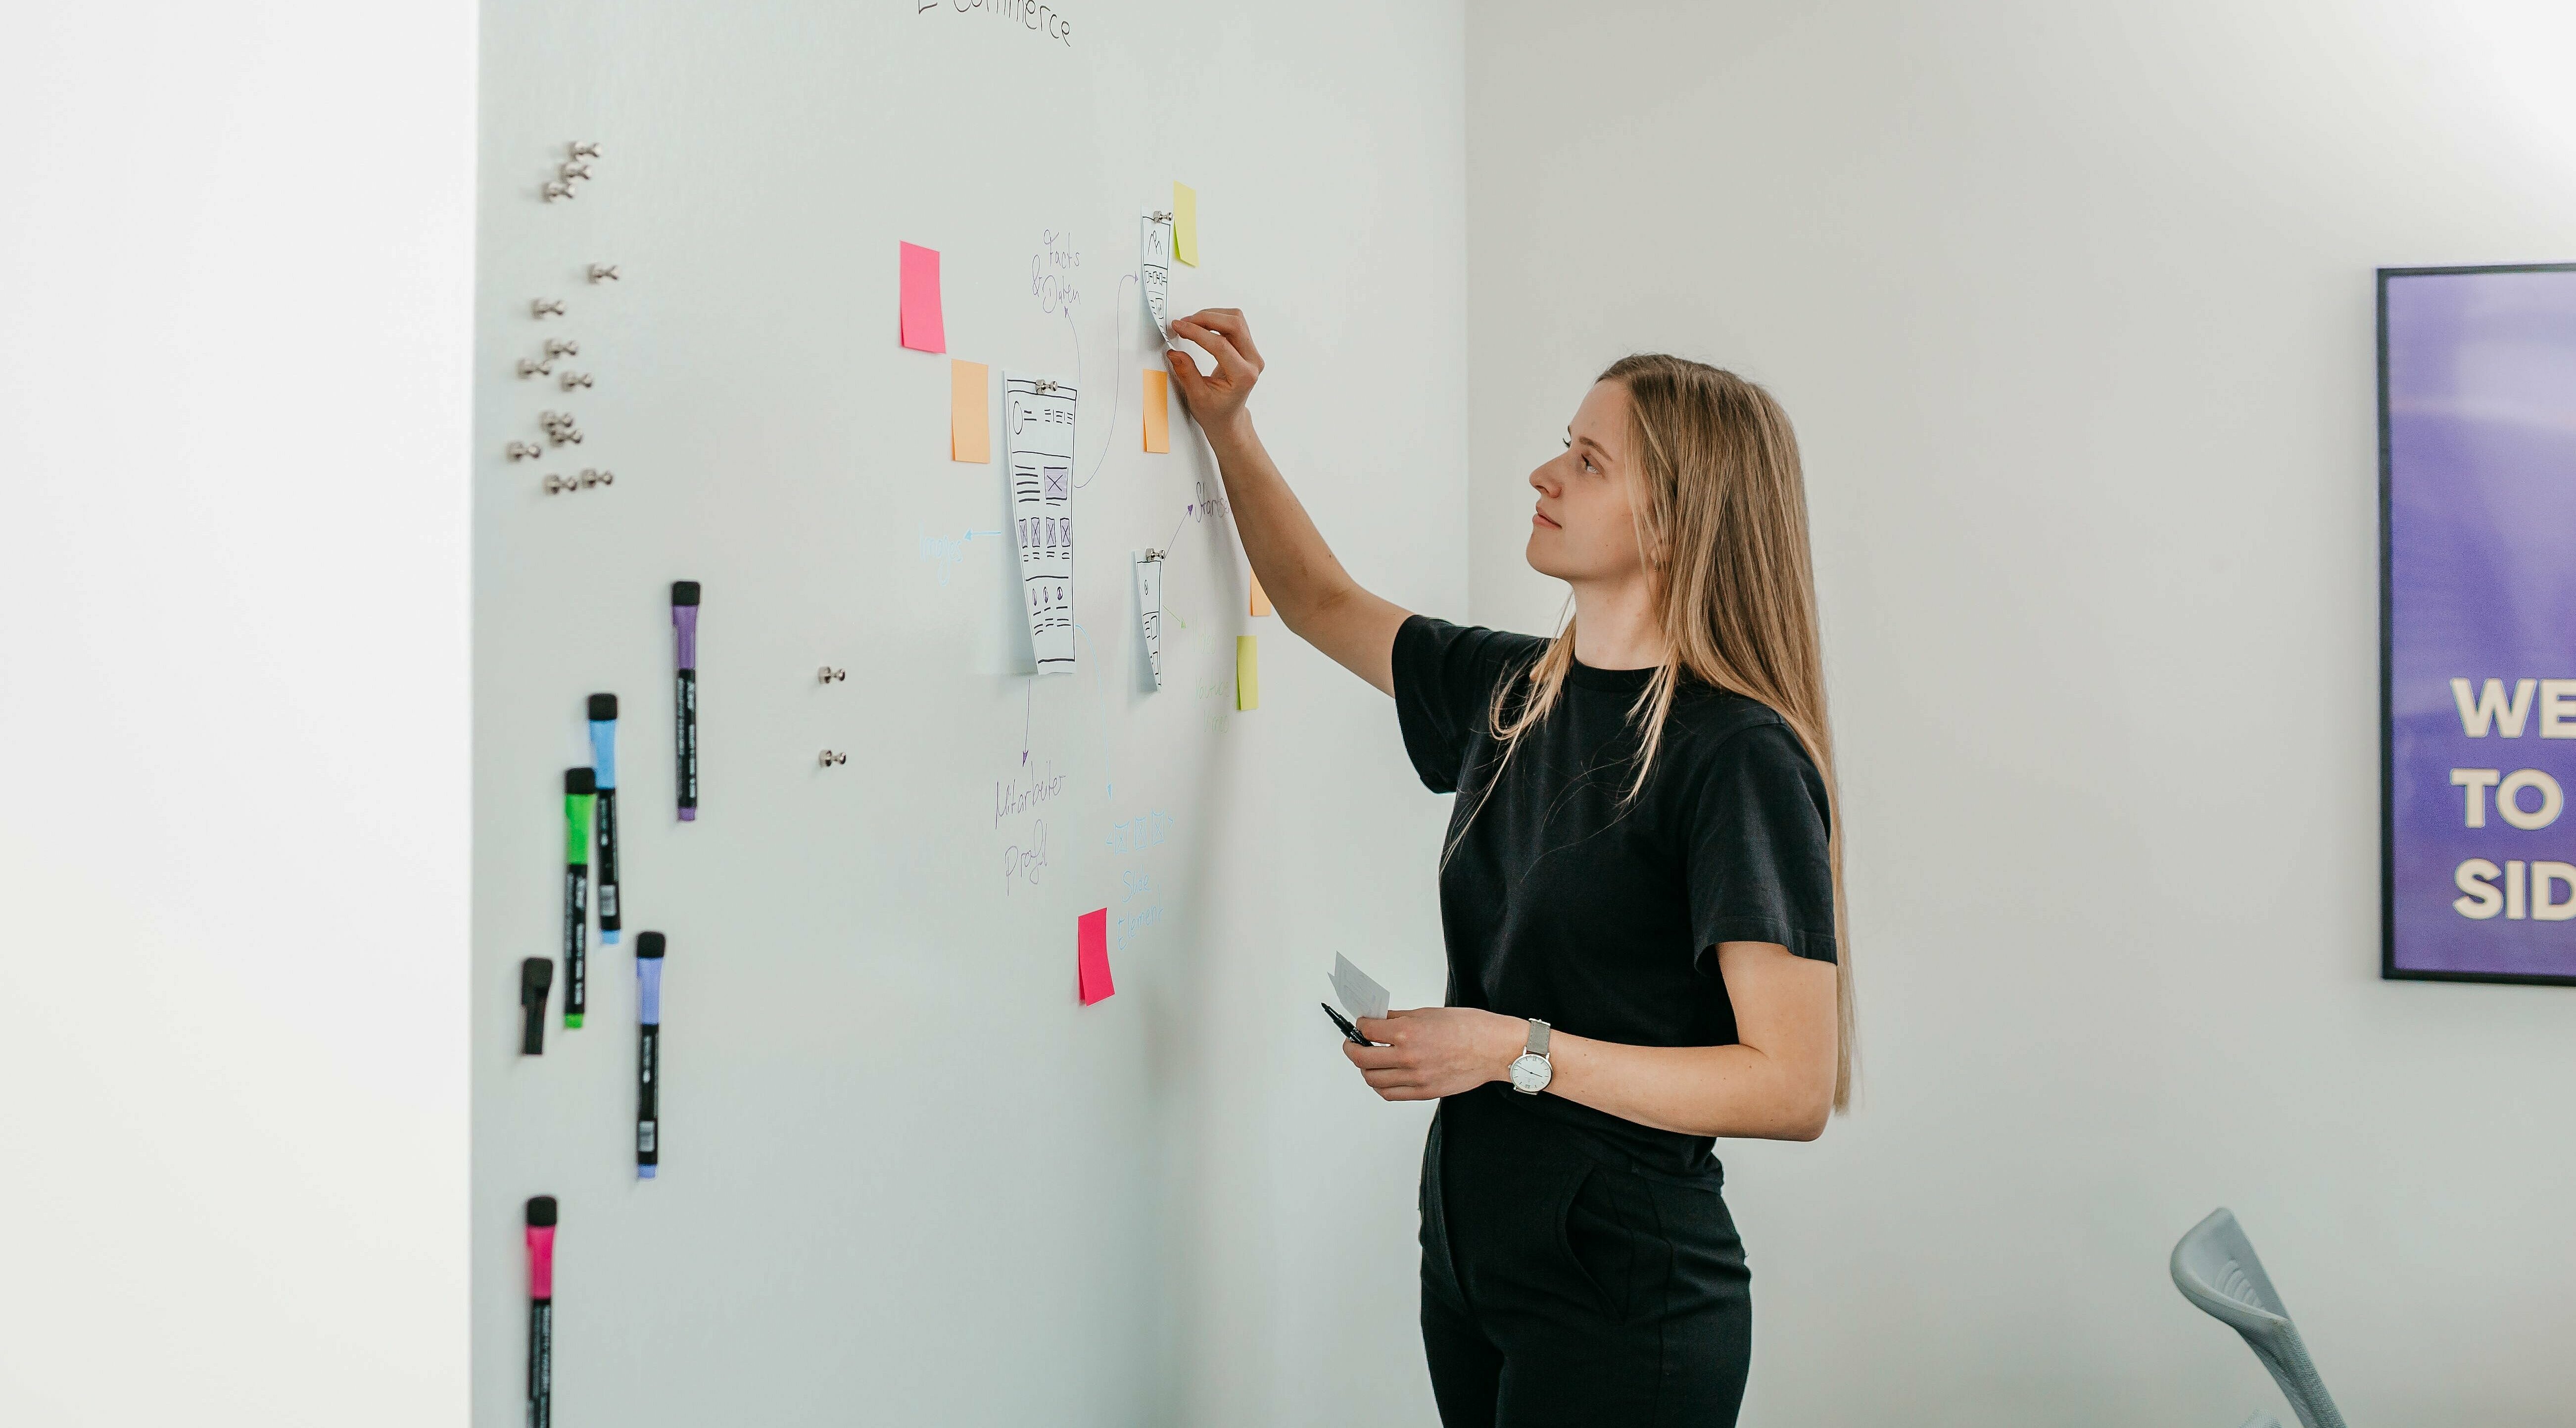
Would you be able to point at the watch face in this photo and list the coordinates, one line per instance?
(1530, 1074)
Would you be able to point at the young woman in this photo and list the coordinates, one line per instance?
(1638, 889)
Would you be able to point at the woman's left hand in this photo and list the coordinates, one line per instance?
(1432, 1052)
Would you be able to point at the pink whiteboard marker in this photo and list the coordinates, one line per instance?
(541, 1311)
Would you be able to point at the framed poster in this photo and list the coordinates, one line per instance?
(2477, 622)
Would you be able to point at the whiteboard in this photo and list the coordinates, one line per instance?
(905, 1176)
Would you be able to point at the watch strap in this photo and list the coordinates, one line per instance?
(1537, 1045)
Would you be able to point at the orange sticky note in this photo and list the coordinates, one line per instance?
(1158, 409)
(924, 328)
(1091, 955)
(970, 418)
(1260, 601)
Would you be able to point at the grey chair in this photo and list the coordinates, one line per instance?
(2214, 1267)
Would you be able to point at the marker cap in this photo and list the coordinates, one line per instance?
(684, 592)
(541, 1247)
(536, 980)
(603, 706)
(648, 944)
(580, 781)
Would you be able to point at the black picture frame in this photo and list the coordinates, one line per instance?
(2389, 971)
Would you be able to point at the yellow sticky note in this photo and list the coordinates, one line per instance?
(1260, 601)
(1247, 672)
(970, 419)
(1158, 409)
(1185, 223)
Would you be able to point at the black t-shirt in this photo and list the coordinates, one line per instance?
(1601, 917)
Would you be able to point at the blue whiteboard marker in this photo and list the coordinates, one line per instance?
(603, 764)
(648, 1061)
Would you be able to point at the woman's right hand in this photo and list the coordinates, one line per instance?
(1216, 399)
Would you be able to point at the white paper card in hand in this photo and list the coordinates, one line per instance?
(1361, 996)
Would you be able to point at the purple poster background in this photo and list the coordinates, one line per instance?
(2478, 411)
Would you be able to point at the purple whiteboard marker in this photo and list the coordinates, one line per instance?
(684, 623)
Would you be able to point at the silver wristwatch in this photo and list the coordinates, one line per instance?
(1530, 1070)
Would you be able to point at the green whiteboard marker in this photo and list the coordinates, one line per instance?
(580, 787)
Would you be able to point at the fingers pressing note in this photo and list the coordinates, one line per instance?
(1215, 398)
(1230, 322)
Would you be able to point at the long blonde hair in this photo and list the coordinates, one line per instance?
(1721, 511)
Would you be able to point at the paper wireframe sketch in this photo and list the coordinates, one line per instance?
(1149, 609)
(1037, 424)
(1154, 269)
(1361, 995)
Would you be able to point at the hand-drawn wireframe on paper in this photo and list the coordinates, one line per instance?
(1149, 608)
(1038, 426)
(1361, 995)
(1154, 269)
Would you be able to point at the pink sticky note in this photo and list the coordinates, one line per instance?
(1091, 955)
(925, 329)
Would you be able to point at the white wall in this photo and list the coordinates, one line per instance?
(235, 275)
(2073, 308)
(906, 1178)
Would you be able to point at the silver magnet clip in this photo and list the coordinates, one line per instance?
(829, 758)
(603, 272)
(546, 307)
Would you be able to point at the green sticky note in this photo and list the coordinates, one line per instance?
(1185, 223)
(1247, 671)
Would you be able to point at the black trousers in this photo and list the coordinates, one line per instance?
(1565, 1281)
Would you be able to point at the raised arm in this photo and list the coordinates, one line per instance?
(1314, 596)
